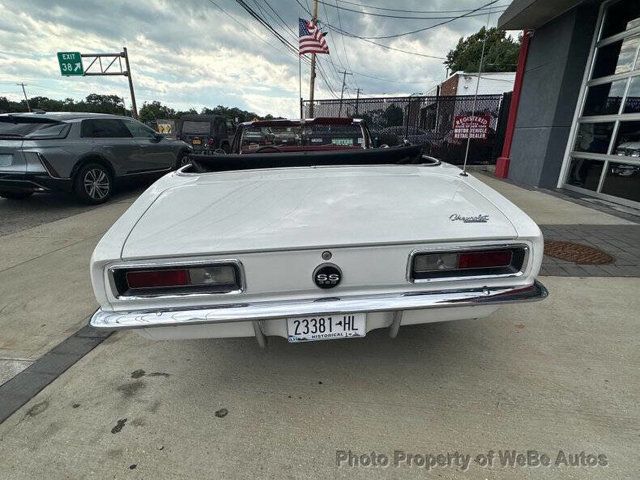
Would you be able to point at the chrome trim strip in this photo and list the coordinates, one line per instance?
(335, 306)
(466, 248)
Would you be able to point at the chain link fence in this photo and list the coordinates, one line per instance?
(429, 121)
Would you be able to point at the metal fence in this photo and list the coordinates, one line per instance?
(426, 120)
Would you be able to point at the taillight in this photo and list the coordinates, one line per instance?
(491, 259)
(157, 278)
(222, 278)
(211, 141)
(467, 263)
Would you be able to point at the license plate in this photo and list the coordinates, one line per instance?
(196, 141)
(6, 160)
(328, 327)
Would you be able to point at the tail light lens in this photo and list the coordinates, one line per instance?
(211, 141)
(222, 278)
(157, 278)
(491, 259)
(468, 263)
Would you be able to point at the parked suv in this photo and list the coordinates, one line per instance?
(83, 153)
(206, 133)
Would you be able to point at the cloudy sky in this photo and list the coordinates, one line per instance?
(195, 53)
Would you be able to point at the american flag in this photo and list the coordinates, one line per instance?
(311, 38)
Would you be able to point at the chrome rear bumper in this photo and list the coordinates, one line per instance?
(325, 306)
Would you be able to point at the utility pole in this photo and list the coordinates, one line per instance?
(344, 81)
(25, 95)
(312, 80)
(357, 99)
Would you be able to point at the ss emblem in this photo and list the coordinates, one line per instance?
(327, 275)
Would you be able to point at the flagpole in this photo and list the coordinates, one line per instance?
(312, 79)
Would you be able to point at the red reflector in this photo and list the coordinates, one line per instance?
(493, 258)
(158, 278)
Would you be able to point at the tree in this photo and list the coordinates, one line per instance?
(155, 110)
(231, 113)
(501, 52)
(104, 103)
(97, 103)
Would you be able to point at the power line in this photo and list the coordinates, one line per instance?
(411, 17)
(373, 7)
(284, 41)
(244, 26)
(383, 79)
(283, 22)
(344, 48)
(430, 27)
(335, 51)
(365, 39)
(268, 26)
(324, 79)
(289, 46)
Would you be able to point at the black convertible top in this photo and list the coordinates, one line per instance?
(374, 156)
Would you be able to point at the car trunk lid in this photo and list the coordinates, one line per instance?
(307, 208)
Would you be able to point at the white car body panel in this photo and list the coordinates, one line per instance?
(312, 208)
(276, 223)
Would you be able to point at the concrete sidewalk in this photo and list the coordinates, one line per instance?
(45, 292)
(548, 209)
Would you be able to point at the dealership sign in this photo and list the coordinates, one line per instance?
(471, 126)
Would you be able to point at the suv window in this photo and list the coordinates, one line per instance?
(105, 128)
(16, 127)
(139, 130)
(197, 128)
(314, 135)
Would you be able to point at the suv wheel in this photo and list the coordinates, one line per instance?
(15, 195)
(93, 184)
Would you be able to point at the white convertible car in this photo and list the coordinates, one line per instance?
(312, 246)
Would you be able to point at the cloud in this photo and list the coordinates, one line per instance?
(192, 54)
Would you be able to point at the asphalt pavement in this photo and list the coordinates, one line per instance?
(561, 376)
(17, 215)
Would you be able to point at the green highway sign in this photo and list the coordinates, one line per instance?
(70, 63)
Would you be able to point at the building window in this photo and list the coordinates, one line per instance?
(585, 173)
(620, 17)
(622, 180)
(594, 137)
(632, 102)
(604, 158)
(616, 58)
(604, 99)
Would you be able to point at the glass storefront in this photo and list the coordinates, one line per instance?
(604, 159)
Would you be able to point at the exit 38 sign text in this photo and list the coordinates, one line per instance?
(70, 63)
